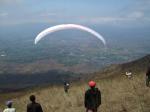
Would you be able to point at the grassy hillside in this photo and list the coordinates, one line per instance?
(118, 95)
(137, 67)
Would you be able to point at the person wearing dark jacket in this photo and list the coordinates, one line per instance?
(33, 106)
(148, 77)
(92, 98)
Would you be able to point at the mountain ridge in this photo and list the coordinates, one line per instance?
(136, 67)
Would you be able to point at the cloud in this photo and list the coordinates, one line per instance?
(135, 18)
(9, 1)
(108, 19)
(142, 5)
(3, 14)
(48, 14)
(136, 14)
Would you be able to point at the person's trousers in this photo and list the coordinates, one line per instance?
(91, 110)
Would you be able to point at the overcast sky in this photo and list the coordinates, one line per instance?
(116, 12)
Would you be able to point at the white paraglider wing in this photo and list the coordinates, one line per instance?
(67, 26)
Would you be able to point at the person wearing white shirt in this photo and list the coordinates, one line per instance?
(9, 107)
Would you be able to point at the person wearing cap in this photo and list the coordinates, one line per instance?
(9, 107)
(33, 106)
(92, 99)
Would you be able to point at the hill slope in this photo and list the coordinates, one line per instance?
(119, 94)
(136, 67)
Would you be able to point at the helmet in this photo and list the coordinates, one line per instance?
(92, 84)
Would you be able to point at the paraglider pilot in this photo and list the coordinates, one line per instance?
(66, 87)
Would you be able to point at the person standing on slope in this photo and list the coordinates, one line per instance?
(9, 105)
(33, 106)
(92, 98)
(66, 87)
(148, 77)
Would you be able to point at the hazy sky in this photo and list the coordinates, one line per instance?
(116, 12)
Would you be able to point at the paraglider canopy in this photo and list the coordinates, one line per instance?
(67, 26)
